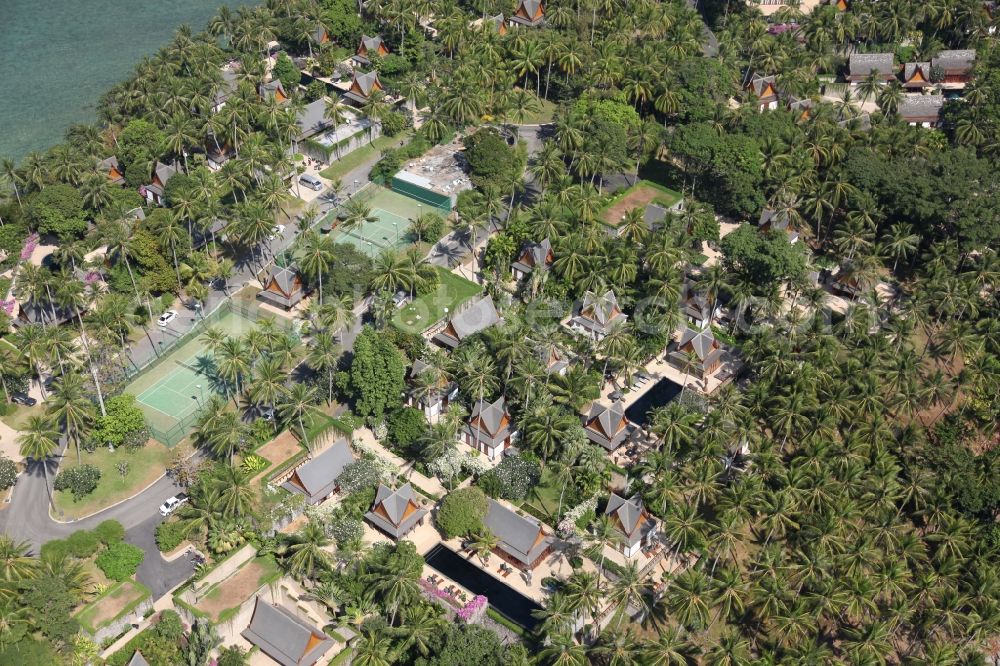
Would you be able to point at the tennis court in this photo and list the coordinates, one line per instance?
(171, 391)
(390, 229)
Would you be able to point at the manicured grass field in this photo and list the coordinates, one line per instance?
(546, 111)
(145, 466)
(544, 498)
(340, 168)
(426, 310)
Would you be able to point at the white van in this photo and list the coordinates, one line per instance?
(311, 181)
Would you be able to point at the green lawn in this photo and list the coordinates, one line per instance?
(17, 418)
(340, 168)
(544, 498)
(545, 114)
(145, 466)
(426, 310)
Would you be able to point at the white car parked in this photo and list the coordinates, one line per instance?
(172, 504)
(167, 317)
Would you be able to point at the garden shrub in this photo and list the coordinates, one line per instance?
(82, 544)
(8, 472)
(406, 426)
(120, 560)
(462, 512)
(512, 479)
(81, 481)
(55, 549)
(345, 529)
(170, 535)
(109, 532)
(253, 463)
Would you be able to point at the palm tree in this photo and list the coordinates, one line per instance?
(373, 649)
(72, 409)
(483, 544)
(562, 650)
(38, 441)
(306, 551)
(15, 563)
(295, 403)
(315, 256)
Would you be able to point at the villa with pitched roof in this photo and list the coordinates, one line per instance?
(370, 46)
(317, 479)
(696, 305)
(523, 541)
(607, 425)
(496, 24)
(319, 35)
(137, 660)
(477, 317)
(778, 221)
(363, 85)
(921, 110)
(284, 637)
(528, 12)
(434, 402)
(635, 526)
(109, 166)
(862, 65)
(597, 315)
(396, 512)
(162, 173)
(955, 67)
(533, 255)
(283, 288)
(697, 352)
(801, 108)
(489, 429)
(272, 89)
(763, 89)
(917, 75)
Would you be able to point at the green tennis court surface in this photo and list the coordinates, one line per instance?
(168, 392)
(181, 392)
(390, 229)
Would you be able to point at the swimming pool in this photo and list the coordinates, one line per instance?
(657, 396)
(512, 605)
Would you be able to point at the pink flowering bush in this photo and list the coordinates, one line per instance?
(473, 609)
(30, 243)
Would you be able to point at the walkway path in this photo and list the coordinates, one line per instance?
(432, 486)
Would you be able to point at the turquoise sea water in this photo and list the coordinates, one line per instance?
(57, 57)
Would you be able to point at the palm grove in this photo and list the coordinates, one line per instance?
(862, 531)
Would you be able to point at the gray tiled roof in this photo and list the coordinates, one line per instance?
(371, 43)
(758, 84)
(477, 317)
(491, 428)
(923, 108)
(395, 503)
(702, 341)
(654, 215)
(863, 64)
(269, 89)
(606, 425)
(631, 515)
(366, 81)
(531, 8)
(318, 477)
(284, 637)
(599, 312)
(532, 256)
(227, 87)
(778, 220)
(910, 68)
(955, 62)
(312, 119)
(518, 535)
(137, 660)
(164, 172)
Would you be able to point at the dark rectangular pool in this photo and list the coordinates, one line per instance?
(512, 605)
(658, 395)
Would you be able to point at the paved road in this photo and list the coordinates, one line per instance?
(27, 519)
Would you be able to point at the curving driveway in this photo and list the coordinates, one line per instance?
(26, 518)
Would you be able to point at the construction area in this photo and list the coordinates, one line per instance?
(435, 178)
